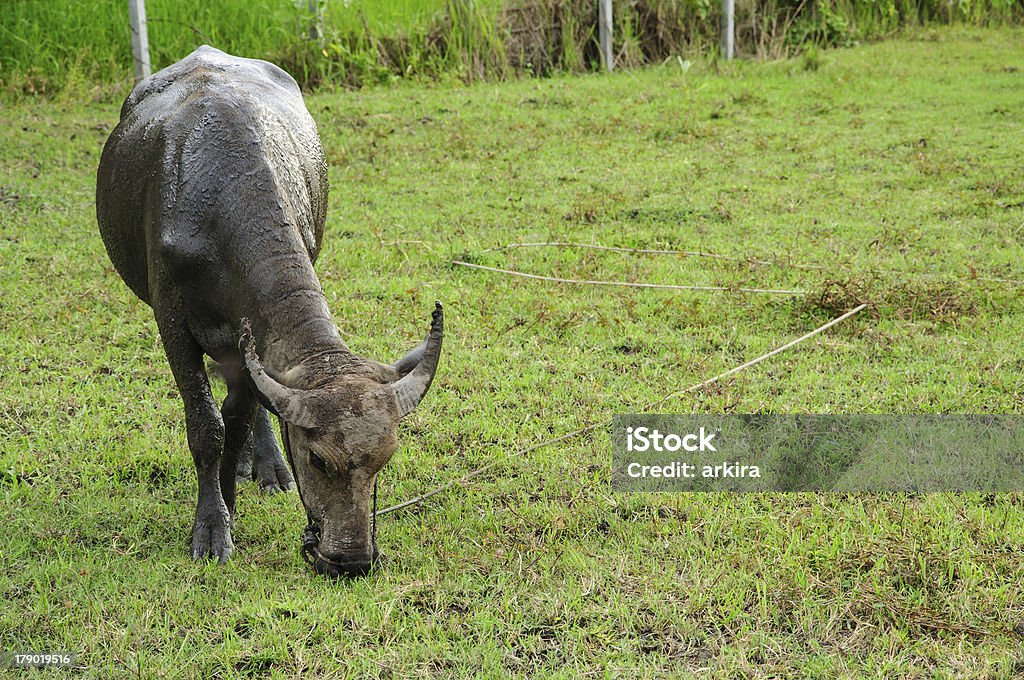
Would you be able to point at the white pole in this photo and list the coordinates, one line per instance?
(316, 19)
(140, 39)
(604, 31)
(728, 34)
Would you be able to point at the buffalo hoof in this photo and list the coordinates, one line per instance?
(244, 472)
(211, 536)
(275, 480)
(271, 472)
(268, 467)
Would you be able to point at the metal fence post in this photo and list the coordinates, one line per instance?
(604, 31)
(316, 21)
(140, 39)
(728, 31)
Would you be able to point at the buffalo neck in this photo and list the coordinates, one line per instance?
(292, 323)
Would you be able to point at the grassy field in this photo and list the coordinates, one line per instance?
(83, 47)
(897, 168)
(46, 46)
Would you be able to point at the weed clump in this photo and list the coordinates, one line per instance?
(944, 302)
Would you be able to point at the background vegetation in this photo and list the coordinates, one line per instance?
(47, 45)
(895, 168)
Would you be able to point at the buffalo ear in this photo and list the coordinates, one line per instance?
(286, 403)
(411, 388)
(217, 369)
(389, 373)
(260, 397)
(405, 365)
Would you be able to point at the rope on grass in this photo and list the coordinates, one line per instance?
(584, 430)
(971, 275)
(656, 251)
(627, 284)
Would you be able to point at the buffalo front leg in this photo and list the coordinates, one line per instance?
(261, 460)
(268, 467)
(211, 533)
(243, 472)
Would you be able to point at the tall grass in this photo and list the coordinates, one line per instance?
(46, 45)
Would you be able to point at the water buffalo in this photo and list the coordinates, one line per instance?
(211, 196)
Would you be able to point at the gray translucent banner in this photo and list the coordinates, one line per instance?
(840, 453)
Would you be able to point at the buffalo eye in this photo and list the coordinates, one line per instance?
(317, 462)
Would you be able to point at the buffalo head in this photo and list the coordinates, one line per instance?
(339, 421)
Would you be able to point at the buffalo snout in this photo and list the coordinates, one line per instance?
(336, 565)
(345, 567)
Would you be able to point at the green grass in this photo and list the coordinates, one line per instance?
(896, 166)
(82, 48)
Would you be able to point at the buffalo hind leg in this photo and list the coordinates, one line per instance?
(211, 533)
(238, 411)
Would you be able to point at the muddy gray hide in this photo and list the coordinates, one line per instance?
(211, 196)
